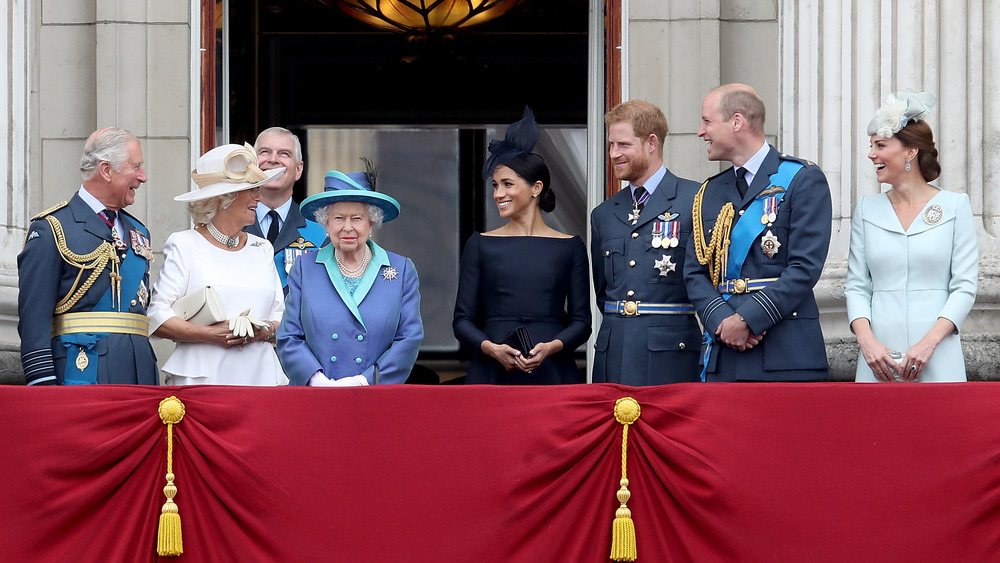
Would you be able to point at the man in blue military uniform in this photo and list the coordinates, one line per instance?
(761, 236)
(649, 334)
(278, 217)
(83, 277)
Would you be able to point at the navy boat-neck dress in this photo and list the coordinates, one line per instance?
(537, 282)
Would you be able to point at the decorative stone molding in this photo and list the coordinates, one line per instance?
(838, 60)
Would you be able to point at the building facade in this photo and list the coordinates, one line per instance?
(822, 69)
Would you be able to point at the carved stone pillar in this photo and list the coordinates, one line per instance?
(838, 61)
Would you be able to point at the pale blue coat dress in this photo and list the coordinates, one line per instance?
(327, 328)
(903, 280)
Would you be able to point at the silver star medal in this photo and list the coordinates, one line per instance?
(389, 273)
(634, 216)
(769, 244)
(665, 266)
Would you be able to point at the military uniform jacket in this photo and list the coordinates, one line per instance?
(643, 349)
(793, 348)
(297, 236)
(44, 278)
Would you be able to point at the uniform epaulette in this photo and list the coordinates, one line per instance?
(51, 210)
(797, 159)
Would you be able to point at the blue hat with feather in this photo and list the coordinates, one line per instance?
(356, 186)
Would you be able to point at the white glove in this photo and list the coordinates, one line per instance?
(241, 326)
(320, 380)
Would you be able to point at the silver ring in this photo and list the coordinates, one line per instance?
(529, 371)
(913, 368)
(244, 340)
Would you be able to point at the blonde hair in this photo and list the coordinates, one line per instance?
(203, 210)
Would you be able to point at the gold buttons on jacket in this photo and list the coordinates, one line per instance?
(630, 293)
(631, 263)
(635, 235)
(681, 346)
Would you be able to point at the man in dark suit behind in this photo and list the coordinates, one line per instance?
(649, 334)
(761, 236)
(83, 276)
(278, 216)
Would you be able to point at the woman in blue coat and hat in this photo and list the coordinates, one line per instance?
(352, 314)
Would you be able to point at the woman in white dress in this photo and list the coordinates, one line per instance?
(913, 267)
(237, 265)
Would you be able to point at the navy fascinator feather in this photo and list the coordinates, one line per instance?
(519, 139)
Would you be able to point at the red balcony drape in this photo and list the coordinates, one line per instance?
(719, 472)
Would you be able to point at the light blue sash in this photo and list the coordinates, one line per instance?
(744, 234)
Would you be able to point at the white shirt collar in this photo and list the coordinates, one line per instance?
(753, 164)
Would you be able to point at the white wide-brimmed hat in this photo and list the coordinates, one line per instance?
(227, 169)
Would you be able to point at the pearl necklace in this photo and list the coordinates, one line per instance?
(231, 242)
(354, 272)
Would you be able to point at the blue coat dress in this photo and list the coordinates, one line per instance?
(903, 280)
(326, 329)
(793, 348)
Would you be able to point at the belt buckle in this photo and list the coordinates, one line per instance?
(630, 308)
(741, 285)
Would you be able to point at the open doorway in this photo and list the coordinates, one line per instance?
(424, 110)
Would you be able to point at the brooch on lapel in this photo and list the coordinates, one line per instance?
(933, 214)
(389, 273)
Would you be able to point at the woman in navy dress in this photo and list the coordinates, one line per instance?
(524, 274)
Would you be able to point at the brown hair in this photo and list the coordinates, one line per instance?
(646, 119)
(918, 135)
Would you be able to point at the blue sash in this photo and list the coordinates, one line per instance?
(748, 227)
(312, 234)
(743, 236)
(133, 271)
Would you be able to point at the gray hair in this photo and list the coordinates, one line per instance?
(203, 210)
(375, 215)
(280, 131)
(105, 145)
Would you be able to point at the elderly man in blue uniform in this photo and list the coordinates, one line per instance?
(84, 277)
(761, 236)
(279, 219)
(649, 334)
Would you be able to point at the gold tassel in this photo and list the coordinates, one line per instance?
(168, 536)
(623, 529)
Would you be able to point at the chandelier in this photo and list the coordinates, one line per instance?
(425, 17)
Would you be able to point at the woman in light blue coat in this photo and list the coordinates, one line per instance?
(352, 314)
(913, 267)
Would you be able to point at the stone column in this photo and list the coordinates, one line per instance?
(105, 63)
(15, 62)
(838, 61)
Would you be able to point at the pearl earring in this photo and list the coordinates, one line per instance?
(907, 167)
(534, 195)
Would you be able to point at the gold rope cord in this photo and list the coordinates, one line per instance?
(714, 253)
(96, 260)
(169, 541)
(627, 411)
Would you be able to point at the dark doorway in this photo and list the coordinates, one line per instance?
(309, 67)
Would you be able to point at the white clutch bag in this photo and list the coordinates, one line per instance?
(202, 306)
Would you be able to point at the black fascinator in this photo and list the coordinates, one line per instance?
(519, 139)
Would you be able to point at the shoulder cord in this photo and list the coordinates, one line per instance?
(96, 261)
(716, 250)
